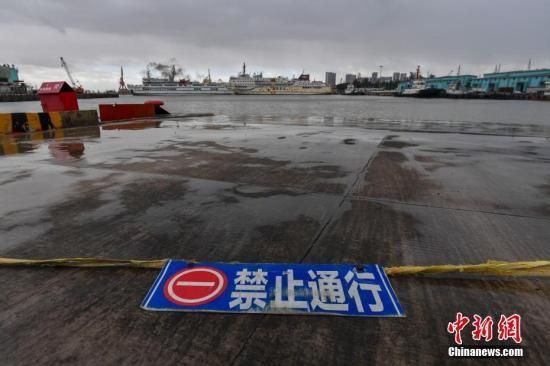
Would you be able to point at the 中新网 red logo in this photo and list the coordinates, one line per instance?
(508, 327)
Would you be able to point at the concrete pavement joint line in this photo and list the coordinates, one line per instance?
(315, 239)
(419, 130)
(247, 340)
(344, 197)
(458, 132)
(308, 250)
(394, 129)
(383, 200)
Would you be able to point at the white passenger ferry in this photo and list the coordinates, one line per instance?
(257, 84)
(170, 86)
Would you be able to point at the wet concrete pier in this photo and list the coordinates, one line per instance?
(391, 193)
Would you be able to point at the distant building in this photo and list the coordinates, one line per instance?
(519, 81)
(385, 79)
(8, 74)
(396, 76)
(374, 76)
(350, 78)
(403, 76)
(9, 80)
(330, 79)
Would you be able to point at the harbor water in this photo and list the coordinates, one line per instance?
(336, 110)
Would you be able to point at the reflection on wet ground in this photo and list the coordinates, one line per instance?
(59, 141)
(264, 192)
(139, 125)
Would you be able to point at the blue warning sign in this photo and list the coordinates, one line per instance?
(336, 289)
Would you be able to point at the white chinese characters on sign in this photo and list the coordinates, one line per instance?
(355, 286)
(324, 291)
(290, 302)
(327, 291)
(250, 288)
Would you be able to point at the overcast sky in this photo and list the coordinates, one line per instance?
(276, 37)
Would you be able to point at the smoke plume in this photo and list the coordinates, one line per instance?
(169, 71)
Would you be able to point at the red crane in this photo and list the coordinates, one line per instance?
(122, 88)
(76, 85)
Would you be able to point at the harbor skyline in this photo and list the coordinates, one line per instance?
(277, 38)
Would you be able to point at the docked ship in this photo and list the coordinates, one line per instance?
(257, 84)
(419, 89)
(457, 90)
(171, 86)
(350, 89)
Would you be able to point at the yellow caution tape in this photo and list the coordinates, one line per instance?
(83, 262)
(492, 268)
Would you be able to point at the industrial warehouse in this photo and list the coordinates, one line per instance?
(521, 82)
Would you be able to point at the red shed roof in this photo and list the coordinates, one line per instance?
(54, 87)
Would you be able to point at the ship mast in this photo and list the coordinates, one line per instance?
(172, 75)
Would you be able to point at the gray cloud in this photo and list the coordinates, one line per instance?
(274, 36)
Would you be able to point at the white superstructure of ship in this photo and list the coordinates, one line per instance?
(456, 88)
(257, 84)
(171, 86)
(350, 89)
(418, 88)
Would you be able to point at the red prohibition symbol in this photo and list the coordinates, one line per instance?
(195, 286)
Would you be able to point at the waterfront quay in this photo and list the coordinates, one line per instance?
(392, 193)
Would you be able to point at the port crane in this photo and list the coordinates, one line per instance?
(76, 85)
(122, 88)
